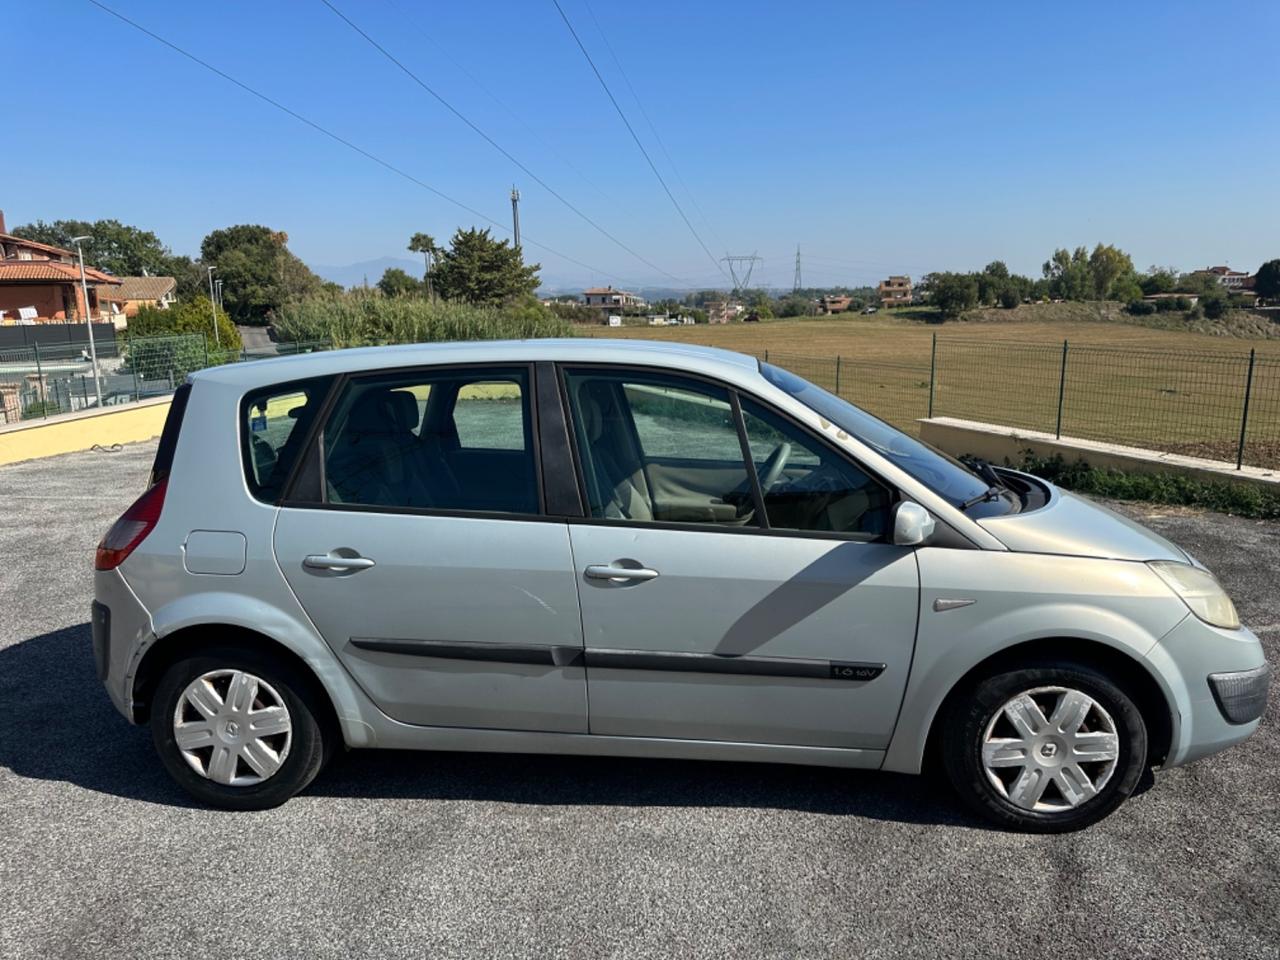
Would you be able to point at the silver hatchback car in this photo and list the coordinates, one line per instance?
(645, 550)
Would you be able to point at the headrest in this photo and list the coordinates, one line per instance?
(404, 406)
(374, 412)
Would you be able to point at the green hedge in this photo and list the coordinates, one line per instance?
(1240, 498)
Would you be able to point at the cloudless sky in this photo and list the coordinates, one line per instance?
(881, 137)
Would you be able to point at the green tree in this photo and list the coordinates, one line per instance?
(1158, 280)
(425, 244)
(952, 293)
(112, 246)
(1069, 275)
(1266, 283)
(478, 269)
(1107, 264)
(396, 283)
(258, 271)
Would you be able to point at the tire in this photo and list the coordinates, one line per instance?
(249, 781)
(1034, 780)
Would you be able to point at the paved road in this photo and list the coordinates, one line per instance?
(421, 855)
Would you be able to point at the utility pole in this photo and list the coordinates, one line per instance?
(515, 214)
(213, 307)
(740, 268)
(88, 319)
(796, 284)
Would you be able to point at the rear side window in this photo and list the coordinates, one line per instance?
(449, 439)
(273, 428)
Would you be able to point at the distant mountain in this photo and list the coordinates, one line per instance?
(354, 274)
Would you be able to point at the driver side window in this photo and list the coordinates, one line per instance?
(659, 448)
(809, 486)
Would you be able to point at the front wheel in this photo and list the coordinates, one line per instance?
(1047, 748)
(237, 730)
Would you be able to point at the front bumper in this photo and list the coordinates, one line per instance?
(1186, 658)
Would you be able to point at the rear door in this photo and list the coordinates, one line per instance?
(424, 556)
(735, 578)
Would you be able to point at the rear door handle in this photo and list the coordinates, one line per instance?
(619, 574)
(334, 561)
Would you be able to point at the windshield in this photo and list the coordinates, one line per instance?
(944, 475)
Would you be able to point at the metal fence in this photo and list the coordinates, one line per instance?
(1223, 406)
(41, 380)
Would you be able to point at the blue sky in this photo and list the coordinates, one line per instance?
(880, 137)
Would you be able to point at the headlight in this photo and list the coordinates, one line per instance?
(1200, 591)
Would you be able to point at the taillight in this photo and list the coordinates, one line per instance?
(131, 529)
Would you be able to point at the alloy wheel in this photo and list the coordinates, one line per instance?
(232, 727)
(1050, 749)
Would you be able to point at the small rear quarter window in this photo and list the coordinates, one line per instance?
(274, 424)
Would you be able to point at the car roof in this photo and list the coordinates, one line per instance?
(257, 373)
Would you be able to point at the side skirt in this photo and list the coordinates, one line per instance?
(392, 735)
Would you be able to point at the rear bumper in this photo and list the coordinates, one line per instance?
(121, 627)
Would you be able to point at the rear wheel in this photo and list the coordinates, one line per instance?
(237, 730)
(1047, 748)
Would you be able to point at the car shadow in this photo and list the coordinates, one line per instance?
(57, 724)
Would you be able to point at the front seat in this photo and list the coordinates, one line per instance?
(619, 480)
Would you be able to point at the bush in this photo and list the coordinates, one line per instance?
(193, 316)
(1215, 308)
(167, 359)
(1141, 308)
(41, 408)
(359, 318)
(1241, 499)
(1009, 298)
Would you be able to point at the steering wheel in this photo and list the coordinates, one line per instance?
(773, 467)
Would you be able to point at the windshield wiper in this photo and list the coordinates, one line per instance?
(984, 470)
(991, 493)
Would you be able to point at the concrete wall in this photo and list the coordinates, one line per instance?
(70, 432)
(999, 443)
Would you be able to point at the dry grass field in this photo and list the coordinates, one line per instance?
(1168, 389)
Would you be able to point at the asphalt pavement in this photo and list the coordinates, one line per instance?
(438, 855)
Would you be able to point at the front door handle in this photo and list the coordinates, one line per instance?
(617, 573)
(335, 561)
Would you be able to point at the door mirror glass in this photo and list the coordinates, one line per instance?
(912, 524)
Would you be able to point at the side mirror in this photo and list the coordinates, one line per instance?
(912, 524)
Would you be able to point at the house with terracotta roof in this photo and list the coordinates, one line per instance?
(136, 292)
(41, 283)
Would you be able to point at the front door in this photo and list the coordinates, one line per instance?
(429, 566)
(731, 597)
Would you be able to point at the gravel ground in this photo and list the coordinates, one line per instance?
(436, 855)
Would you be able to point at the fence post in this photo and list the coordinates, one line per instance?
(84, 392)
(1244, 416)
(137, 392)
(766, 356)
(204, 338)
(933, 367)
(44, 396)
(837, 374)
(1062, 388)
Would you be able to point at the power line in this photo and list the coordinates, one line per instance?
(489, 140)
(414, 22)
(342, 140)
(652, 166)
(652, 129)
